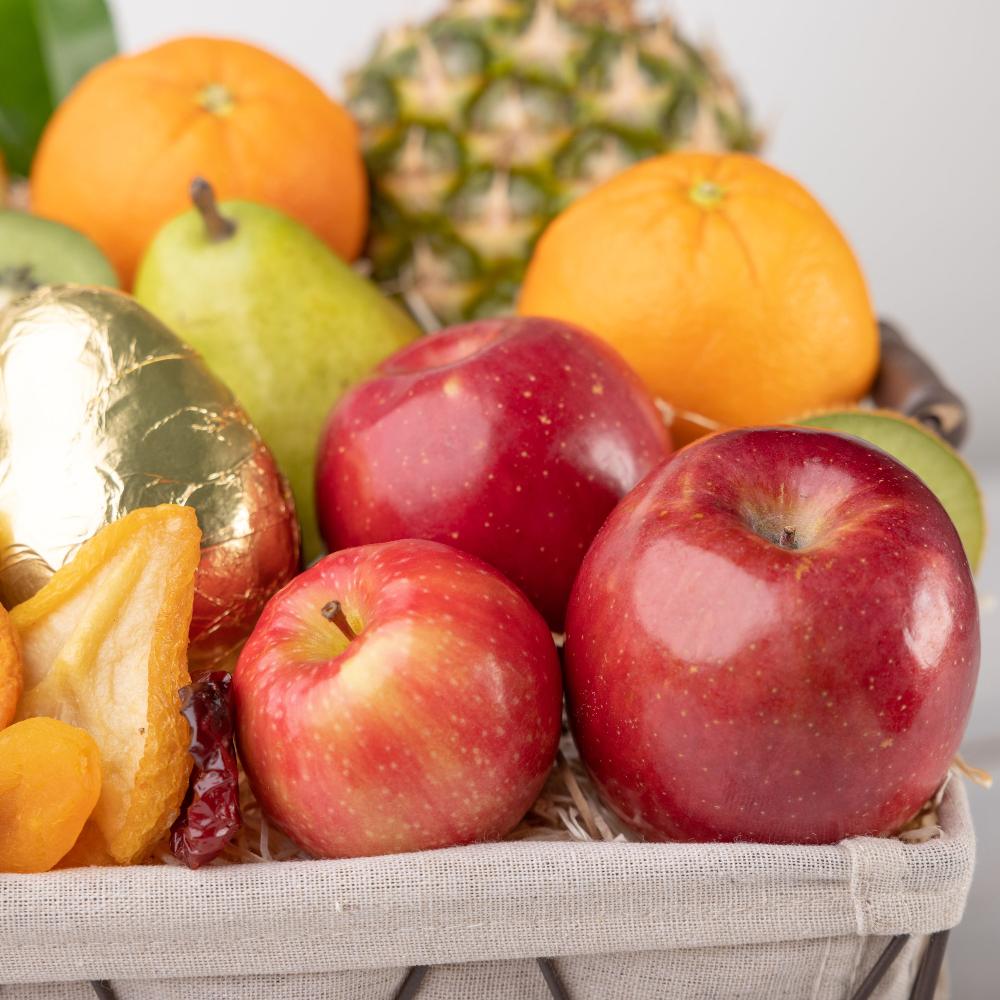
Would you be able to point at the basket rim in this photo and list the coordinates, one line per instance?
(462, 904)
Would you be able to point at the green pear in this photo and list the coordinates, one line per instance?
(36, 251)
(277, 316)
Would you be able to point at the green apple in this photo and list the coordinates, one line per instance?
(36, 251)
(926, 454)
(277, 316)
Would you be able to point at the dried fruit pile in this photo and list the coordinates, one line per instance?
(103, 650)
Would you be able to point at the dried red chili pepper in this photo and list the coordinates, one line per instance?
(210, 816)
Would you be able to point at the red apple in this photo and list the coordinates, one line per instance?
(511, 439)
(774, 637)
(397, 697)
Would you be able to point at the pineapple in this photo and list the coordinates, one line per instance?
(483, 124)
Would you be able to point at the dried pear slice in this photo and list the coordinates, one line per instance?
(104, 647)
(10, 669)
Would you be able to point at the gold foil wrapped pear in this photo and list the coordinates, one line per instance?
(103, 410)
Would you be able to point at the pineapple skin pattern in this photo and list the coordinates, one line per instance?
(483, 124)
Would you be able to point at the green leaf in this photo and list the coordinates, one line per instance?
(46, 46)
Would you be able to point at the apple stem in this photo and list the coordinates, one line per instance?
(333, 612)
(217, 226)
(788, 538)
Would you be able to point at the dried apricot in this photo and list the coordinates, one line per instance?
(10, 669)
(90, 849)
(50, 780)
(104, 647)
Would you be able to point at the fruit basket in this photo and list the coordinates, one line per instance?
(592, 916)
(531, 917)
(341, 661)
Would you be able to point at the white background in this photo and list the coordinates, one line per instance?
(889, 110)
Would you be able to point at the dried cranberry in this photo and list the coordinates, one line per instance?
(210, 816)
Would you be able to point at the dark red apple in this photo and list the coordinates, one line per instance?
(397, 697)
(774, 637)
(511, 439)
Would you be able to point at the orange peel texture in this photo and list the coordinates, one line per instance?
(723, 282)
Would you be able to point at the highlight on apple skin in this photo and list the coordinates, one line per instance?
(397, 697)
(511, 439)
(774, 637)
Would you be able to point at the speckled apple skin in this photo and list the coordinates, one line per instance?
(722, 687)
(436, 726)
(511, 439)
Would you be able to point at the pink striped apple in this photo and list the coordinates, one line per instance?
(397, 697)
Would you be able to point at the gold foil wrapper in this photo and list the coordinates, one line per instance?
(103, 410)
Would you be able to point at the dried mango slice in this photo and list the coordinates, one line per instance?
(50, 780)
(104, 647)
(10, 669)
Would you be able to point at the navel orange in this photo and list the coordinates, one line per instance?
(118, 156)
(722, 281)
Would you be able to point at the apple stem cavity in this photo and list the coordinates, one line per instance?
(333, 612)
(217, 226)
(788, 540)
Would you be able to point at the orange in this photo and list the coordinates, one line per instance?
(722, 281)
(118, 156)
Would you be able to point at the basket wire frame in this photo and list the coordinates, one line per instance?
(924, 986)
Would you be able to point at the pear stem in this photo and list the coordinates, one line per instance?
(333, 612)
(217, 226)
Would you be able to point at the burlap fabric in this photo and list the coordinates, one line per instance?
(627, 922)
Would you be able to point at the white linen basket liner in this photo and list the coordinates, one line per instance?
(626, 921)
